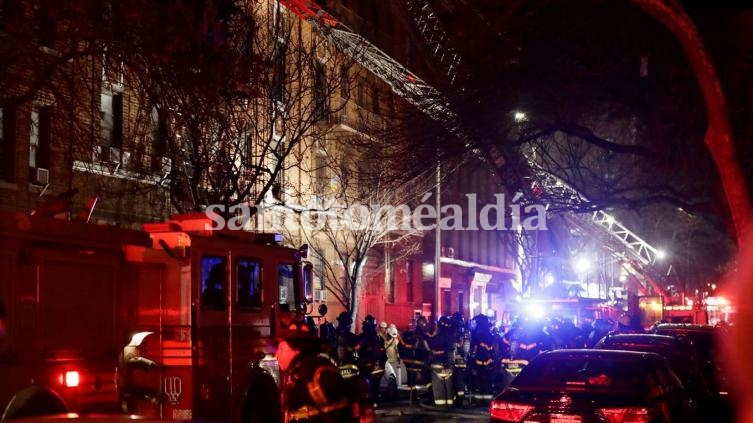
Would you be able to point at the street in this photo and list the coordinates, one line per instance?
(402, 412)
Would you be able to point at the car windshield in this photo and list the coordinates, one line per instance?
(584, 374)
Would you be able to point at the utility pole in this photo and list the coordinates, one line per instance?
(437, 245)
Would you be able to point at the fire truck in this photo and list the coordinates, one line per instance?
(175, 321)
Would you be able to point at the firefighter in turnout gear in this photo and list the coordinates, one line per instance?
(416, 357)
(462, 341)
(313, 389)
(483, 356)
(346, 345)
(371, 355)
(442, 346)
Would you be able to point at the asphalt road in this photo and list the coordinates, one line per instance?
(404, 412)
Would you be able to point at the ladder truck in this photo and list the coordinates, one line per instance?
(637, 255)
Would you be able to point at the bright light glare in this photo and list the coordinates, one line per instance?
(582, 264)
(72, 379)
(520, 117)
(549, 279)
(661, 254)
(536, 311)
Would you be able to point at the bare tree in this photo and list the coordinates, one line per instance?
(188, 104)
(359, 215)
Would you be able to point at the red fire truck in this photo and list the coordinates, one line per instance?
(176, 321)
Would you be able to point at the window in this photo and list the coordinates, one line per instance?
(7, 144)
(158, 126)
(320, 92)
(246, 47)
(375, 99)
(249, 284)
(213, 283)
(111, 110)
(320, 172)
(39, 137)
(276, 167)
(10, 10)
(287, 286)
(446, 302)
(392, 286)
(44, 26)
(279, 64)
(359, 93)
(344, 84)
(409, 280)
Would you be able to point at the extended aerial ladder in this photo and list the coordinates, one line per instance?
(637, 256)
(618, 239)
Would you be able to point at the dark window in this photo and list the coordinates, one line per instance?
(375, 99)
(39, 138)
(158, 122)
(320, 91)
(344, 83)
(320, 170)
(213, 283)
(111, 109)
(45, 26)
(277, 89)
(246, 46)
(249, 283)
(117, 127)
(359, 93)
(9, 12)
(287, 285)
(446, 302)
(409, 280)
(392, 286)
(8, 144)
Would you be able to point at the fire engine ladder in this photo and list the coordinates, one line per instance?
(637, 255)
(623, 244)
(433, 103)
(402, 81)
(435, 37)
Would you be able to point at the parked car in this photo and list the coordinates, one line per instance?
(678, 351)
(568, 386)
(706, 340)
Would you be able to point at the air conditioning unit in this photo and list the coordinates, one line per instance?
(320, 295)
(41, 176)
(448, 252)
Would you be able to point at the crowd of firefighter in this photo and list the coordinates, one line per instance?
(451, 361)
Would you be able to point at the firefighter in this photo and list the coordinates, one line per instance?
(313, 389)
(460, 362)
(483, 353)
(442, 351)
(346, 345)
(371, 355)
(417, 342)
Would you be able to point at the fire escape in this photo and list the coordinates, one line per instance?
(637, 256)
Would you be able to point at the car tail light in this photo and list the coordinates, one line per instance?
(628, 414)
(71, 378)
(509, 411)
